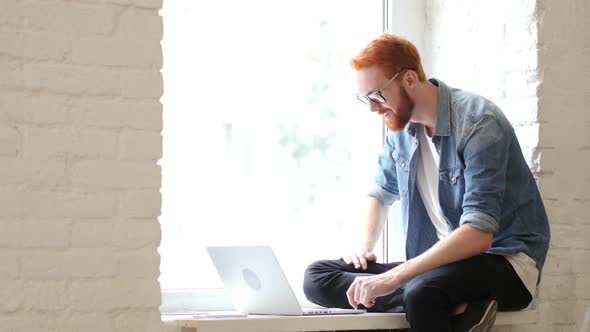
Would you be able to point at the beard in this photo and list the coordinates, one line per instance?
(398, 119)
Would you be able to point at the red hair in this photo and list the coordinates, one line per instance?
(391, 53)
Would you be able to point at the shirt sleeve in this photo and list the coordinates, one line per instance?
(485, 155)
(385, 188)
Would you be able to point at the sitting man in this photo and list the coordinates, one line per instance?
(477, 232)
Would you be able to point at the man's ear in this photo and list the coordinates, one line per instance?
(410, 79)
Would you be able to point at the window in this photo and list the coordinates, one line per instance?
(264, 141)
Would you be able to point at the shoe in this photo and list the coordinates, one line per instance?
(479, 316)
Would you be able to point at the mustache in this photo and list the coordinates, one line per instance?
(385, 110)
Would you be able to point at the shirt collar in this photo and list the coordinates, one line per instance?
(443, 118)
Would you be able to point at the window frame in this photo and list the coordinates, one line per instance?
(212, 299)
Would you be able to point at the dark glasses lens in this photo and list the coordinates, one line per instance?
(376, 97)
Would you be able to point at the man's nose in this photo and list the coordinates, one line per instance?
(374, 107)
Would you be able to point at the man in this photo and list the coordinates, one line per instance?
(477, 231)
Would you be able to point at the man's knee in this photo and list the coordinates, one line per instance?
(316, 280)
(415, 295)
(313, 276)
(423, 293)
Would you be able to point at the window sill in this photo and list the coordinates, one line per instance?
(367, 321)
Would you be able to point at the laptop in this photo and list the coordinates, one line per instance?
(257, 284)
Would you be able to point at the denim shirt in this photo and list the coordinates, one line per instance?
(484, 180)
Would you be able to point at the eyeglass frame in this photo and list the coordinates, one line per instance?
(379, 93)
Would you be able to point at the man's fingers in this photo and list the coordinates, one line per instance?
(371, 257)
(359, 260)
(367, 301)
(350, 295)
(363, 262)
(355, 261)
(360, 292)
(357, 291)
(362, 296)
(367, 298)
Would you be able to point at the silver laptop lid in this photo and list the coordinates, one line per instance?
(254, 279)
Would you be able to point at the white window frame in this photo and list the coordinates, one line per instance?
(406, 18)
(411, 25)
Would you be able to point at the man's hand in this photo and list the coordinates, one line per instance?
(365, 290)
(360, 259)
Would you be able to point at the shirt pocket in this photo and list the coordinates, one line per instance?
(451, 175)
(451, 191)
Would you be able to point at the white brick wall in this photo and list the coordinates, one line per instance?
(80, 126)
(80, 123)
(564, 65)
(532, 59)
(489, 47)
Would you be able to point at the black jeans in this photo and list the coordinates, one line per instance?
(429, 299)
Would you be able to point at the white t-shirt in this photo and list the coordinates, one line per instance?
(427, 181)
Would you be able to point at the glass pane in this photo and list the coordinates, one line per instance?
(264, 140)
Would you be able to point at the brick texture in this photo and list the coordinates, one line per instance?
(564, 179)
(80, 123)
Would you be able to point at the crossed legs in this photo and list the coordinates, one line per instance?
(430, 299)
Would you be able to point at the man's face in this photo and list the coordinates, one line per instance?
(397, 107)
